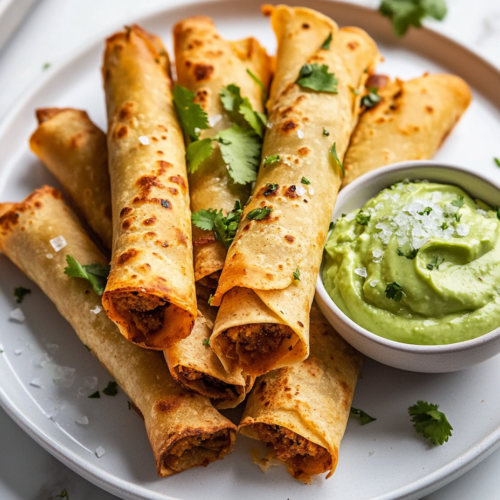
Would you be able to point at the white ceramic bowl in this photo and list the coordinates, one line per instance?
(428, 359)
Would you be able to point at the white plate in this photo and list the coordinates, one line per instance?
(385, 459)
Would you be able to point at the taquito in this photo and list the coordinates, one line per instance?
(267, 284)
(206, 63)
(75, 151)
(411, 121)
(183, 428)
(150, 292)
(301, 411)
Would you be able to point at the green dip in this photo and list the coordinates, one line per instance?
(434, 241)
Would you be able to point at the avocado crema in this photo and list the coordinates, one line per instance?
(419, 263)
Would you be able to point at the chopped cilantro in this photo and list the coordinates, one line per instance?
(444, 225)
(165, 204)
(210, 299)
(497, 162)
(327, 42)
(257, 80)
(270, 188)
(458, 217)
(459, 202)
(435, 263)
(259, 213)
(371, 99)
(362, 219)
(325, 132)
(431, 423)
(269, 160)
(206, 342)
(46, 66)
(20, 292)
(411, 254)
(240, 149)
(333, 151)
(95, 395)
(354, 91)
(406, 13)
(305, 181)
(427, 211)
(296, 274)
(364, 418)
(223, 228)
(192, 117)
(331, 226)
(315, 77)
(63, 494)
(197, 152)
(97, 274)
(111, 389)
(394, 291)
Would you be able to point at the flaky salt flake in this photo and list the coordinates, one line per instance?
(300, 190)
(36, 382)
(373, 283)
(269, 125)
(17, 352)
(350, 217)
(100, 451)
(17, 315)
(462, 229)
(65, 376)
(214, 120)
(96, 310)
(58, 243)
(83, 420)
(300, 133)
(144, 140)
(311, 191)
(49, 256)
(361, 271)
(482, 212)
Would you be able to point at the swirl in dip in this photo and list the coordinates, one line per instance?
(419, 263)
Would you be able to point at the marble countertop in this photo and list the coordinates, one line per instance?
(53, 29)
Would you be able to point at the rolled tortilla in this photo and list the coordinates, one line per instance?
(263, 322)
(150, 293)
(301, 411)
(75, 151)
(183, 428)
(411, 122)
(205, 64)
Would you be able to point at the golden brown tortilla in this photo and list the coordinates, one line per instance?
(183, 428)
(301, 411)
(150, 293)
(263, 321)
(411, 122)
(205, 64)
(75, 151)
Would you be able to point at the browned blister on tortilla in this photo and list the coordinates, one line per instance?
(301, 411)
(75, 151)
(206, 63)
(150, 293)
(263, 322)
(183, 427)
(411, 122)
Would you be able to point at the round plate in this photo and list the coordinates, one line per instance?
(382, 460)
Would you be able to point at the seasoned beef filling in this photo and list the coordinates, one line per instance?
(146, 311)
(224, 391)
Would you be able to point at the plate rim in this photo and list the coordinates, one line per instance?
(129, 490)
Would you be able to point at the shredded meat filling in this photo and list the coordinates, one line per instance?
(223, 390)
(146, 311)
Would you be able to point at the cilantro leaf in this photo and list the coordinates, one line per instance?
(315, 77)
(192, 117)
(258, 81)
(394, 291)
(459, 202)
(305, 181)
(362, 219)
(20, 292)
(364, 418)
(333, 151)
(95, 273)
(240, 149)
(431, 423)
(204, 219)
(371, 99)
(259, 213)
(327, 42)
(411, 254)
(435, 263)
(497, 162)
(197, 152)
(206, 342)
(406, 13)
(296, 274)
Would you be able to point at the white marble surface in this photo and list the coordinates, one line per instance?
(53, 30)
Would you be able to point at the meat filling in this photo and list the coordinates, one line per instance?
(198, 450)
(146, 311)
(217, 389)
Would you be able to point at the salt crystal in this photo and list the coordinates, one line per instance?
(17, 352)
(83, 420)
(416, 243)
(144, 140)
(429, 322)
(49, 256)
(377, 254)
(300, 133)
(54, 413)
(350, 217)
(300, 190)
(373, 283)
(361, 271)
(58, 243)
(269, 125)
(214, 120)
(90, 382)
(462, 229)
(379, 206)
(96, 310)
(100, 451)
(17, 315)
(36, 382)
(456, 320)
(65, 376)
(41, 360)
(311, 191)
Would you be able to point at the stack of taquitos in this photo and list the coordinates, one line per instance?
(183, 428)
(263, 321)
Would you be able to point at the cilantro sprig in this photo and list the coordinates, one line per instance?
(223, 228)
(97, 274)
(394, 291)
(192, 117)
(316, 77)
(406, 13)
(431, 423)
(364, 418)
